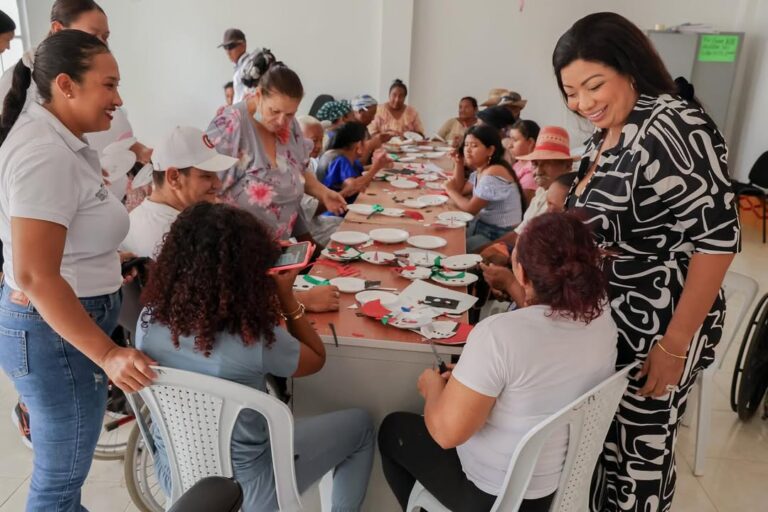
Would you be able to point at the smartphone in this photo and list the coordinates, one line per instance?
(293, 256)
(127, 266)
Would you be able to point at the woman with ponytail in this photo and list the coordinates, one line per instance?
(654, 185)
(516, 369)
(60, 229)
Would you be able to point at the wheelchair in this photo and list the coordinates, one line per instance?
(750, 376)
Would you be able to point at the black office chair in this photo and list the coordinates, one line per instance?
(319, 102)
(211, 494)
(757, 185)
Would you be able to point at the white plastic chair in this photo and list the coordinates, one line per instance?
(588, 418)
(195, 415)
(734, 285)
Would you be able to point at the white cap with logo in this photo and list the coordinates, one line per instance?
(185, 147)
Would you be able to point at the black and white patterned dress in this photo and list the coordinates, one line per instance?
(660, 195)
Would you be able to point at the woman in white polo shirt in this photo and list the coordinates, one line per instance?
(562, 344)
(60, 229)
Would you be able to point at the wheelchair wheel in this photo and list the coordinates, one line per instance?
(750, 376)
(116, 426)
(140, 479)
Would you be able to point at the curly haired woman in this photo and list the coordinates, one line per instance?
(476, 413)
(212, 308)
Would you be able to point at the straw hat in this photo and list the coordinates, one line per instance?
(514, 99)
(552, 143)
(494, 97)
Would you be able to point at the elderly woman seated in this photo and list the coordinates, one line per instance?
(453, 129)
(333, 114)
(394, 115)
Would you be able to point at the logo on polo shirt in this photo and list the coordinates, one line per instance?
(103, 193)
(207, 141)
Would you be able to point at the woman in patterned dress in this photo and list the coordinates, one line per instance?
(654, 186)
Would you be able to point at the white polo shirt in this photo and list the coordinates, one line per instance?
(47, 173)
(237, 79)
(150, 221)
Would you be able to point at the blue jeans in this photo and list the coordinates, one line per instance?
(480, 233)
(65, 392)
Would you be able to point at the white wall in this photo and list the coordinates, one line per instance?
(444, 49)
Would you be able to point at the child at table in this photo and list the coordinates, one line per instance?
(516, 369)
(340, 168)
(212, 308)
(492, 193)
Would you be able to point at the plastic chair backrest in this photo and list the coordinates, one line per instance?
(741, 287)
(758, 175)
(588, 418)
(321, 100)
(195, 415)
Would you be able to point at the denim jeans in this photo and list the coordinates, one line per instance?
(480, 233)
(65, 393)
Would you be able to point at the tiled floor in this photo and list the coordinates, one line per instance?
(736, 478)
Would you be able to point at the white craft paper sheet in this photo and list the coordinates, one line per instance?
(420, 290)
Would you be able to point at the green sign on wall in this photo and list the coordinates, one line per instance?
(718, 48)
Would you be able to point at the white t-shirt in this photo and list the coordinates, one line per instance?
(537, 207)
(534, 365)
(150, 221)
(48, 173)
(237, 79)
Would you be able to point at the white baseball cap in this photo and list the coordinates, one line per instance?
(186, 147)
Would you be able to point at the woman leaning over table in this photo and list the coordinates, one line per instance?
(60, 229)
(395, 116)
(273, 171)
(654, 186)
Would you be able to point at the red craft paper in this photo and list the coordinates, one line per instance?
(414, 215)
(374, 309)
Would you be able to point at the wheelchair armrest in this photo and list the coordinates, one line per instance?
(211, 494)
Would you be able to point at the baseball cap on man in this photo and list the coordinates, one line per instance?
(232, 36)
(186, 147)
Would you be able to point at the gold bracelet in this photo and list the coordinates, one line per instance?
(670, 353)
(296, 314)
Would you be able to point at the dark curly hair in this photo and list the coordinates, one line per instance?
(558, 254)
(211, 277)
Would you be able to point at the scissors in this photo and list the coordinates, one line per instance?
(440, 364)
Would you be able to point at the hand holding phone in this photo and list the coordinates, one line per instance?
(294, 256)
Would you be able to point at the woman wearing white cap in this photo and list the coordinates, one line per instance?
(60, 229)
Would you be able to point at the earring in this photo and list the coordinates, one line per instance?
(69, 95)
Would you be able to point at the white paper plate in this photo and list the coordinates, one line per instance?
(412, 320)
(427, 241)
(417, 273)
(405, 184)
(369, 295)
(434, 185)
(467, 279)
(393, 212)
(461, 261)
(362, 209)
(425, 148)
(433, 199)
(410, 149)
(117, 163)
(419, 257)
(408, 159)
(348, 284)
(428, 177)
(396, 140)
(378, 257)
(450, 224)
(456, 215)
(439, 329)
(413, 136)
(120, 145)
(300, 284)
(434, 154)
(350, 237)
(348, 255)
(414, 203)
(389, 235)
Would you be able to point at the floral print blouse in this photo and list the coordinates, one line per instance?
(272, 194)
